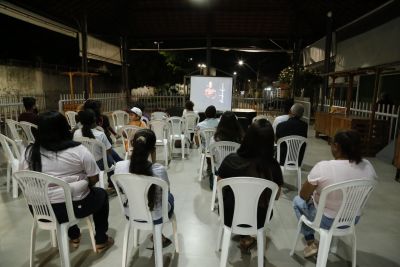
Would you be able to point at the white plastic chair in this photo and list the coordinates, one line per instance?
(13, 127)
(160, 129)
(27, 129)
(176, 132)
(71, 115)
(218, 151)
(190, 119)
(120, 118)
(354, 196)
(259, 117)
(158, 115)
(13, 156)
(35, 186)
(294, 144)
(204, 138)
(95, 146)
(135, 189)
(127, 133)
(247, 192)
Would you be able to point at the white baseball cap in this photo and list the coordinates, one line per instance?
(137, 111)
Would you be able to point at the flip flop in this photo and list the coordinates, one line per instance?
(245, 248)
(75, 242)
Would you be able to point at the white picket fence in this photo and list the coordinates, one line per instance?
(109, 101)
(383, 112)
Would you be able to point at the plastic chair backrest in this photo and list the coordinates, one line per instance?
(71, 115)
(354, 196)
(135, 188)
(13, 127)
(160, 129)
(120, 118)
(35, 186)
(191, 119)
(10, 148)
(205, 137)
(176, 125)
(260, 117)
(158, 115)
(247, 192)
(95, 147)
(294, 143)
(128, 132)
(219, 150)
(27, 128)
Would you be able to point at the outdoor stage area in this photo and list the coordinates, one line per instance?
(378, 232)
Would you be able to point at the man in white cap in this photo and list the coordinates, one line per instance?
(135, 118)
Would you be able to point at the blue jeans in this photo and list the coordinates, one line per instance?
(171, 201)
(301, 207)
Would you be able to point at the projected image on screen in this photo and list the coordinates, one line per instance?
(206, 91)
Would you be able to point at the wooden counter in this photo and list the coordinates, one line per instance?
(328, 124)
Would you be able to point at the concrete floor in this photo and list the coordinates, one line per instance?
(378, 233)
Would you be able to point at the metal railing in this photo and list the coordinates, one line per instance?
(159, 103)
(109, 101)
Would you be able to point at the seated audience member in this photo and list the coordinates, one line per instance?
(144, 143)
(31, 113)
(286, 108)
(55, 153)
(135, 115)
(347, 165)
(88, 120)
(145, 115)
(254, 158)
(293, 126)
(102, 120)
(228, 128)
(188, 107)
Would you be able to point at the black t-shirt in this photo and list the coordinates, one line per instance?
(233, 166)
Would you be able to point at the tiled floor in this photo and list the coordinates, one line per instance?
(378, 233)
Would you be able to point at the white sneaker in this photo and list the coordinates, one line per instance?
(310, 250)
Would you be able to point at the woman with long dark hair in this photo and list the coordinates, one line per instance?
(228, 128)
(55, 153)
(88, 120)
(144, 143)
(346, 166)
(254, 158)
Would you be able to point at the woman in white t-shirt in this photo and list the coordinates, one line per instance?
(89, 130)
(55, 153)
(143, 144)
(347, 165)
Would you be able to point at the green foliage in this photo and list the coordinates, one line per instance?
(306, 79)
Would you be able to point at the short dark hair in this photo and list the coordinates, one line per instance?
(211, 112)
(350, 144)
(189, 105)
(29, 102)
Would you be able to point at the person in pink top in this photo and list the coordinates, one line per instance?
(347, 165)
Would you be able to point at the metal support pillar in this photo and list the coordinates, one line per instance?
(328, 44)
(84, 58)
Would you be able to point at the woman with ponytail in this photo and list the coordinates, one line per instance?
(254, 158)
(347, 165)
(144, 143)
(87, 118)
(55, 153)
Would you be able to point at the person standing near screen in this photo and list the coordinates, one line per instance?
(210, 92)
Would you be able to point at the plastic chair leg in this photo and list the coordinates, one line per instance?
(298, 180)
(323, 249)
(135, 237)
(157, 239)
(214, 193)
(219, 237)
(125, 244)
(354, 248)
(89, 222)
(9, 177)
(101, 179)
(166, 154)
(175, 231)
(33, 242)
(226, 238)
(334, 244)
(53, 238)
(260, 247)
(203, 156)
(183, 146)
(296, 238)
(63, 245)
